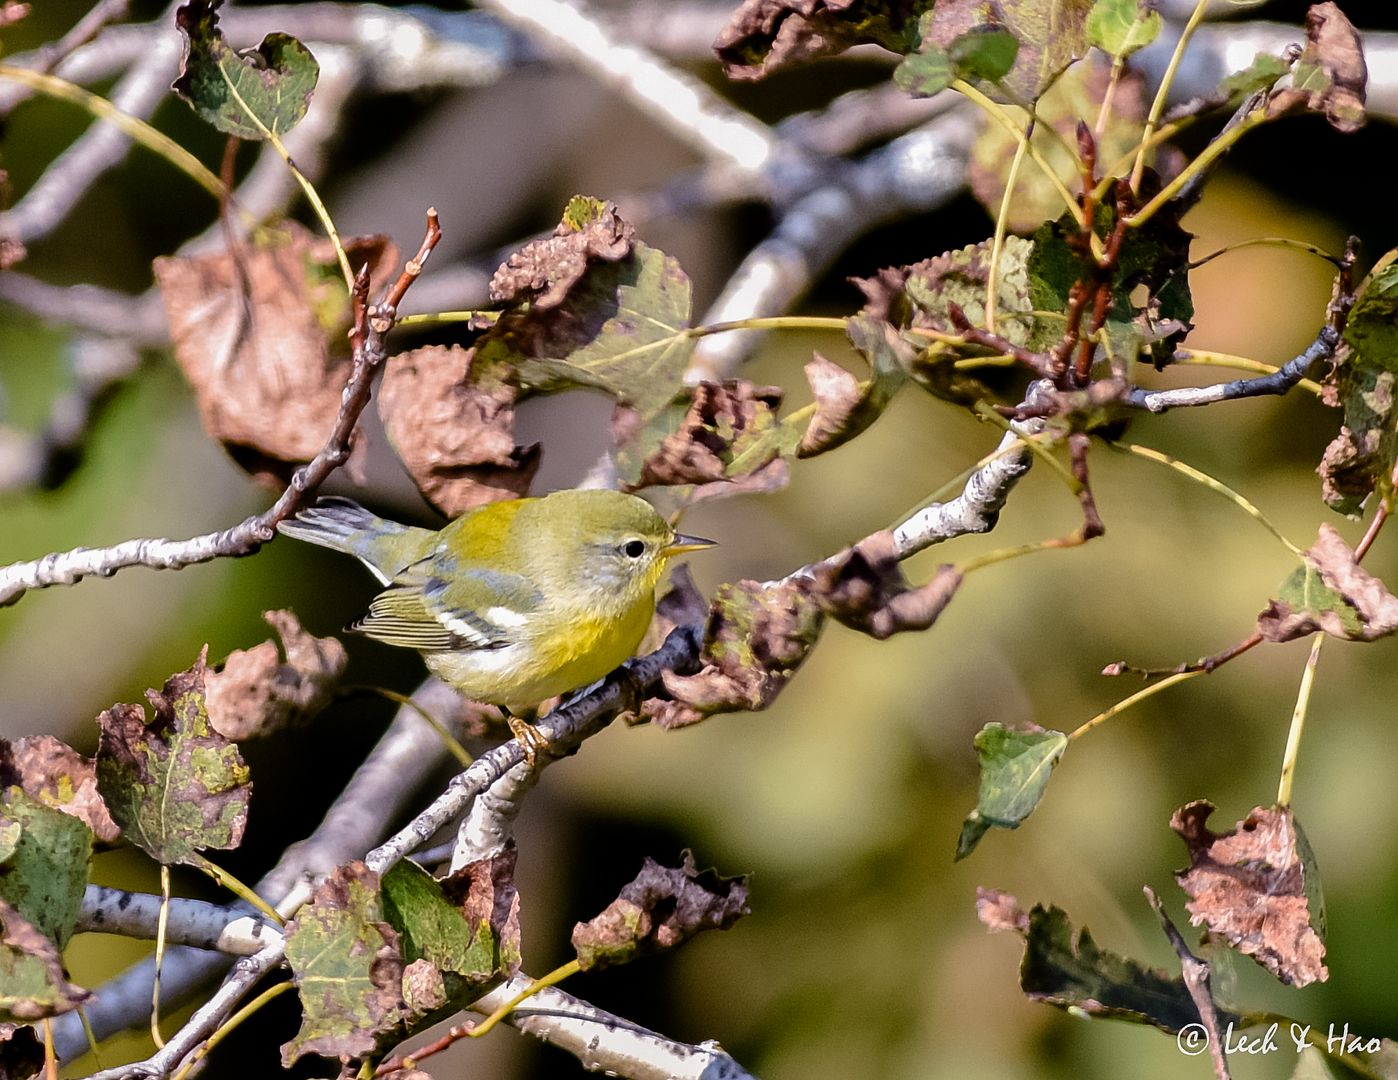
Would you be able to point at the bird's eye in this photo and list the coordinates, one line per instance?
(633, 549)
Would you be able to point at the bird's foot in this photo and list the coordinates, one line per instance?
(530, 738)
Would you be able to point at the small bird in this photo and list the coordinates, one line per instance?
(513, 602)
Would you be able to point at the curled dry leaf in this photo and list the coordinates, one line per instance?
(845, 406)
(728, 431)
(454, 431)
(543, 271)
(252, 331)
(173, 783)
(660, 909)
(53, 773)
(764, 35)
(32, 982)
(681, 605)
(1257, 888)
(1332, 592)
(347, 967)
(1331, 76)
(998, 910)
(486, 895)
(424, 989)
(864, 588)
(757, 636)
(254, 692)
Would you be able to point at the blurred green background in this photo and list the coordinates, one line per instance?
(863, 956)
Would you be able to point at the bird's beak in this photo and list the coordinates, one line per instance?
(681, 543)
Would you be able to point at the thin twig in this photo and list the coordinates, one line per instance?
(1196, 981)
(369, 352)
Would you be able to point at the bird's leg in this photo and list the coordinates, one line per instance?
(530, 738)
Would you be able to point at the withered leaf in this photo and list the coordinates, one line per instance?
(1257, 888)
(53, 773)
(254, 692)
(756, 638)
(252, 331)
(485, 893)
(347, 968)
(764, 35)
(544, 270)
(726, 432)
(1360, 459)
(21, 1052)
(845, 406)
(424, 988)
(1332, 592)
(660, 909)
(1051, 35)
(1331, 76)
(999, 910)
(454, 429)
(173, 783)
(1064, 967)
(864, 588)
(32, 981)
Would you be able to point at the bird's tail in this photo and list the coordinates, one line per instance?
(384, 546)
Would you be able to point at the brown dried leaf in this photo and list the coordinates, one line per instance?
(33, 984)
(1331, 75)
(453, 431)
(844, 405)
(1252, 887)
(864, 588)
(1332, 592)
(544, 270)
(763, 35)
(424, 989)
(56, 775)
(998, 910)
(255, 693)
(757, 636)
(728, 431)
(486, 894)
(660, 909)
(252, 332)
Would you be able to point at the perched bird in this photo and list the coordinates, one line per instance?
(516, 601)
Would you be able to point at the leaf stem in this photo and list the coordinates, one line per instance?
(1126, 703)
(1212, 484)
(433, 318)
(91, 1036)
(1298, 723)
(997, 114)
(997, 245)
(1205, 160)
(132, 127)
(228, 1026)
(243, 892)
(160, 925)
(1074, 539)
(1162, 92)
(312, 196)
(453, 746)
(553, 978)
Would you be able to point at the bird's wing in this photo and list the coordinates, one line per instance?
(477, 609)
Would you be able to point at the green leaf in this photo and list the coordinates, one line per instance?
(1064, 967)
(1051, 35)
(45, 873)
(620, 329)
(984, 52)
(347, 968)
(1333, 593)
(925, 73)
(1120, 27)
(1015, 768)
(1262, 73)
(243, 93)
(435, 929)
(173, 784)
(32, 982)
